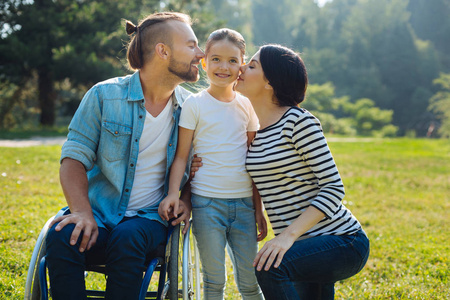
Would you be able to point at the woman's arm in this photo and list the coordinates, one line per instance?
(171, 202)
(277, 247)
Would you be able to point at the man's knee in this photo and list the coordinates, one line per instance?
(59, 238)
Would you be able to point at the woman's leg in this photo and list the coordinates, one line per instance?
(128, 245)
(242, 247)
(209, 227)
(311, 267)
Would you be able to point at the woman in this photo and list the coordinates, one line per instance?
(318, 241)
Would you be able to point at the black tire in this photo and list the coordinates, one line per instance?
(173, 264)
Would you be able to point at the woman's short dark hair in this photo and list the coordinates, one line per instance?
(286, 73)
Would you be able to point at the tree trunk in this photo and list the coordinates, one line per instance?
(47, 97)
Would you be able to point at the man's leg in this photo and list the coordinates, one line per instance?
(128, 244)
(66, 264)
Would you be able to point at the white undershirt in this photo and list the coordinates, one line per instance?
(148, 185)
(220, 139)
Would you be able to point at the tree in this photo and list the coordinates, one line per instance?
(59, 39)
(75, 42)
(440, 104)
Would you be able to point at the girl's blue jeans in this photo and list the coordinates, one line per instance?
(122, 249)
(219, 223)
(310, 267)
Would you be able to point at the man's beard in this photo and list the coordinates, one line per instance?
(183, 70)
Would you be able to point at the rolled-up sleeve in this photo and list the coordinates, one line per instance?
(84, 131)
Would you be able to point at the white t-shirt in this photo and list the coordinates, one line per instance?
(220, 139)
(148, 185)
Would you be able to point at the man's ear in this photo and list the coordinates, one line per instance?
(162, 50)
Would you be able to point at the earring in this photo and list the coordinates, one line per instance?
(203, 62)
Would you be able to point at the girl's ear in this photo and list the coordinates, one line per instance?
(203, 62)
(268, 86)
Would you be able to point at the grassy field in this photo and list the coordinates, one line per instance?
(399, 189)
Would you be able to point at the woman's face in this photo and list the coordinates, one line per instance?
(252, 82)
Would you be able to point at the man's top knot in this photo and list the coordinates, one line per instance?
(131, 28)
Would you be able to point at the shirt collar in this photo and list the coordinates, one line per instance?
(135, 92)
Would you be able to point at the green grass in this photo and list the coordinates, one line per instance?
(399, 189)
(25, 133)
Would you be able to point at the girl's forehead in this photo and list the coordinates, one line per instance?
(224, 47)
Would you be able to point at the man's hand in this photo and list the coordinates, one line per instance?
(195, 165)
(169, 207)
(84, 222)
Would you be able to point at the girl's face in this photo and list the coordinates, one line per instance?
(222, 63)
(252, 82)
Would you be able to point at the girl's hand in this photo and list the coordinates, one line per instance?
(262, 225)
(273, 249)
(169, 207)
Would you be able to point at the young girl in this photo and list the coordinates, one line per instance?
(220, 123)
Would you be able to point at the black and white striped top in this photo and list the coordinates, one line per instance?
(293, 168)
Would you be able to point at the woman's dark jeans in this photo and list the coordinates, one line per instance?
(123, 250)
(311, 267)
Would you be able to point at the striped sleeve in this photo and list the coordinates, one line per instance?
(311, 145)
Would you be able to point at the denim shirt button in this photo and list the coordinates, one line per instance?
(136, 140)
(131, 165)
(126, 190)
(140, 117)
(170, 145)
(120, 214)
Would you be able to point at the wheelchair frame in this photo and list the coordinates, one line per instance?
(169, 287)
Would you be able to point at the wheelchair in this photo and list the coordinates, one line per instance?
(177, 263)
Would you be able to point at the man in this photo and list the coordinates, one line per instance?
(115, 163)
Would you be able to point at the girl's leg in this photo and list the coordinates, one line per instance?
(209, 227)
(311, 267)
(242, 247)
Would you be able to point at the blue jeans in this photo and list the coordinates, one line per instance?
(310, 267)
(220, 223)
(123, 250)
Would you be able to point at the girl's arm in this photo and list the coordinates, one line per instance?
(171, 202)
(259, 214)
(277, 247)
(257, 202)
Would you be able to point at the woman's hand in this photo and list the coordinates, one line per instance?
(273, 249)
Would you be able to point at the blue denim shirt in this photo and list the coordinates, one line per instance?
(104, 136)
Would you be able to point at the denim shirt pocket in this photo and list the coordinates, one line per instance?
(114, 141)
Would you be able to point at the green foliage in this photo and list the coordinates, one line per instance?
(341, 116)
(397, 188)
(440, 104)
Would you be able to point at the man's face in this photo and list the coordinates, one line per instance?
(186, 54)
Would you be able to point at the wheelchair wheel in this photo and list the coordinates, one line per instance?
(190, 268)
(173, 264)
(183, 268)
(32, 288)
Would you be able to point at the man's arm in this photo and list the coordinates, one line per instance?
(74, 183)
